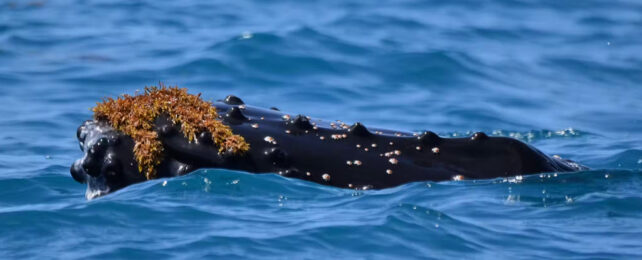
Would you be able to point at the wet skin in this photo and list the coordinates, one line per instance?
(329, 153)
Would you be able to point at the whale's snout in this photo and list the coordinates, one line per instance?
(108, 162)
(77, 173)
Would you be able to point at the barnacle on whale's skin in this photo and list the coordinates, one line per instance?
(135, 115)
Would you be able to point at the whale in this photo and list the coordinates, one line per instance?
(335, 153)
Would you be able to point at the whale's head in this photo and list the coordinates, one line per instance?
(108, 163)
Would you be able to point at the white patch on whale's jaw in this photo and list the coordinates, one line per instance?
(92, 194)
(96, 188)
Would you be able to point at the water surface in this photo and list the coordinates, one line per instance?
(563, 76)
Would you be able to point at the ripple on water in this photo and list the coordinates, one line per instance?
(560, 75)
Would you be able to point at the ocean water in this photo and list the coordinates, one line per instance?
(564, 76)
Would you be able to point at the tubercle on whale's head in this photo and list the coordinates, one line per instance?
(134, 116)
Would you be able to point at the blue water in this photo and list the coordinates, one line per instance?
(564, 76)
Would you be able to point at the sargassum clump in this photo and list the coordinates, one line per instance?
(135, 115)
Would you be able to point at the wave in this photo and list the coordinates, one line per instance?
(221, 208)
(562, 76)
